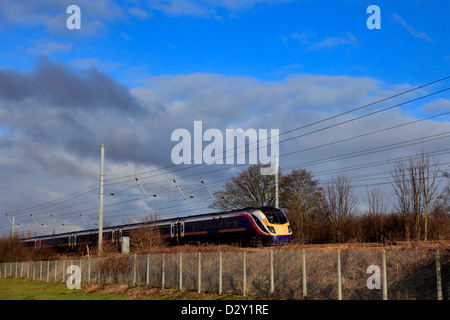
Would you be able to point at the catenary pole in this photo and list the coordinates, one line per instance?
(100, 199)
(276, 181)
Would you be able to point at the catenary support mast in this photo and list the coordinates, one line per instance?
(100, 199)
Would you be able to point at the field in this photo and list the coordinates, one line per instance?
(22, 289)
(296, 272)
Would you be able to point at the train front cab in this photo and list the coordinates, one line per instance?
(278, 225)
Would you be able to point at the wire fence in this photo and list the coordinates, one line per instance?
(314, 274)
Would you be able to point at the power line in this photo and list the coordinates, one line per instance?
(111, 182)
(58, 200)
(352, 154)
(323, 120)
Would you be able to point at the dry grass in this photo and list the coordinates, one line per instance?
(398, 245)
(411, 270)
(144, 292)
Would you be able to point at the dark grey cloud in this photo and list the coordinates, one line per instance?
(61, 87)
(56, 115)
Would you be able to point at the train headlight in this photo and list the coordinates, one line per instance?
(271, 229)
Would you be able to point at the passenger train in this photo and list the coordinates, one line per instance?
(247, 227)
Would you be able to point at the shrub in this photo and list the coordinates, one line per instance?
(145, 239)
(13, 250)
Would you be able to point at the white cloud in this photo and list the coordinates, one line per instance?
(330, 42)
(52, 15)
(207, 8)
(182, 8)
(97, 15)
(309, 40)
(139, 13)
(411, 29)
(51, 148)
(46, 48)
(437, 105)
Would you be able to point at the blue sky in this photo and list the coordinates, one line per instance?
(139, 69)
(264, 39)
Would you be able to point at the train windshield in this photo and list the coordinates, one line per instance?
(275, 216)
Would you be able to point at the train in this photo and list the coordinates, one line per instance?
(266, 226)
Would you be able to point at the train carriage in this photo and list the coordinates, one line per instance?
(247, 227)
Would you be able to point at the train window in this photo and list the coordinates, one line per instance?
(276, 217)
(209, 225)
(236, 223)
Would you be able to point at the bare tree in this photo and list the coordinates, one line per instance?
(440, 213)
(400, 188)
(300, 195)
(340, 205)
(416, 193)
(249, 189)
(377, 207)
(415, 184)
(428, 176)
(445, 195)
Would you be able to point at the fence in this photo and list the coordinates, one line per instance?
(315, 274)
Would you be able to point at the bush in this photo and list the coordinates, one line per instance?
(13, 250)
(382, 228)
(145, 239)
(116, 264)
(43, 254)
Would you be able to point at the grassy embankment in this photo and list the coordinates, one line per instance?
(22, 289)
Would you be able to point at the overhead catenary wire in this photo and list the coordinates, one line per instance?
(141, 197)
(111, 182)
(327, 119)
(247, 150)
(326, 144)
(135, 199)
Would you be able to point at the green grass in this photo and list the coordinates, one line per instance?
(23, 289)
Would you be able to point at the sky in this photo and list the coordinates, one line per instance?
(137, 70)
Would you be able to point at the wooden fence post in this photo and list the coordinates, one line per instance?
(438, 275)
(89, 269)
(148, 270)
(163, 271)
(181, 271)
(384, 276)
(339, 275)
(220, 272)
(272, 288)
(244, 284)
(199, 272)
(304, 273)
(135, 270)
